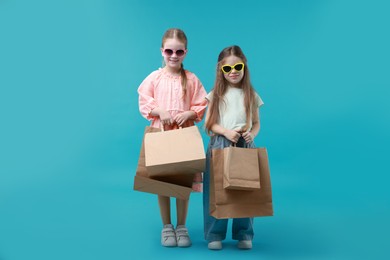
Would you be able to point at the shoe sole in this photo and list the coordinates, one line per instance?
(184, 245)
(245, 247)
(169, 245)
(215, 247)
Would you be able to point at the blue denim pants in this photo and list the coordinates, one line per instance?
(215, 229)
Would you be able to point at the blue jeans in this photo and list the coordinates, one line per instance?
(215, 229)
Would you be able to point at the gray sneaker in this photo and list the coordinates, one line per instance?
(168, 237)
(215, 245)
(182, 237)
(244, 244)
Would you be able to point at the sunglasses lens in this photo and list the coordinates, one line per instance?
(238, 67)
(226, 69)
(180, 53)
(168, 52)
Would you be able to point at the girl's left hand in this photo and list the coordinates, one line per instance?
(248, 136)
(181, 118)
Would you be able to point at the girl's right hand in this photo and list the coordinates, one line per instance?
(232, 135)
(166, 118)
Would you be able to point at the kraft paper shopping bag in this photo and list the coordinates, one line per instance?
(178, 186)
(241, 168)
(225, 203)
(173, 152)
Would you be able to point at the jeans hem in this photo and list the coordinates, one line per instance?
(243, 237)
(215, 238)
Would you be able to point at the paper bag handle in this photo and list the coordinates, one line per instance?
(162, 127)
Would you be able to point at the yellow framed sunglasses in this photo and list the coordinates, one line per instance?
(227, 68)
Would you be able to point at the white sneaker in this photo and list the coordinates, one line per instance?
(215, 245)
(168, 237)
(244, 244)
(182, 237)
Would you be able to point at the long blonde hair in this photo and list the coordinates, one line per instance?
(221, 86)
(175, 33)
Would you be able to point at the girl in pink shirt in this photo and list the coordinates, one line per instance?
(173, 97)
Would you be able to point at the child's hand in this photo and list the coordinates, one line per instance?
(232, 135)
(197, 183)
(181, 118)
(165, 118)
(248, 136)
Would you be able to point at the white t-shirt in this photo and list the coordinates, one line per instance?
(232, 110)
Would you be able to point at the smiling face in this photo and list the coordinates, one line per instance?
(173, 62)
(234, 77)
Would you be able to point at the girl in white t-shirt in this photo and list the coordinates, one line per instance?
(232, 117)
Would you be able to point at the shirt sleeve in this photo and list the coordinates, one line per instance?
(209, 97)
(259, 101)
(198, 100)
(146, 99)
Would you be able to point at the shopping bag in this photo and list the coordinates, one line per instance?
(225, 203)
(178, 186)
(241, 168)
(173, 152)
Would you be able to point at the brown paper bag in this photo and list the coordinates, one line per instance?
(241, 168)
(174, 152)
(171, 186)
(148, 185)
(225, 203)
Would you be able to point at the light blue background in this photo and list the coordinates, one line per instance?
(71, 130)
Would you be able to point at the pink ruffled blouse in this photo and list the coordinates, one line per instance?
(163, 90)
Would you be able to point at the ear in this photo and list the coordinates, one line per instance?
(162, 52)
